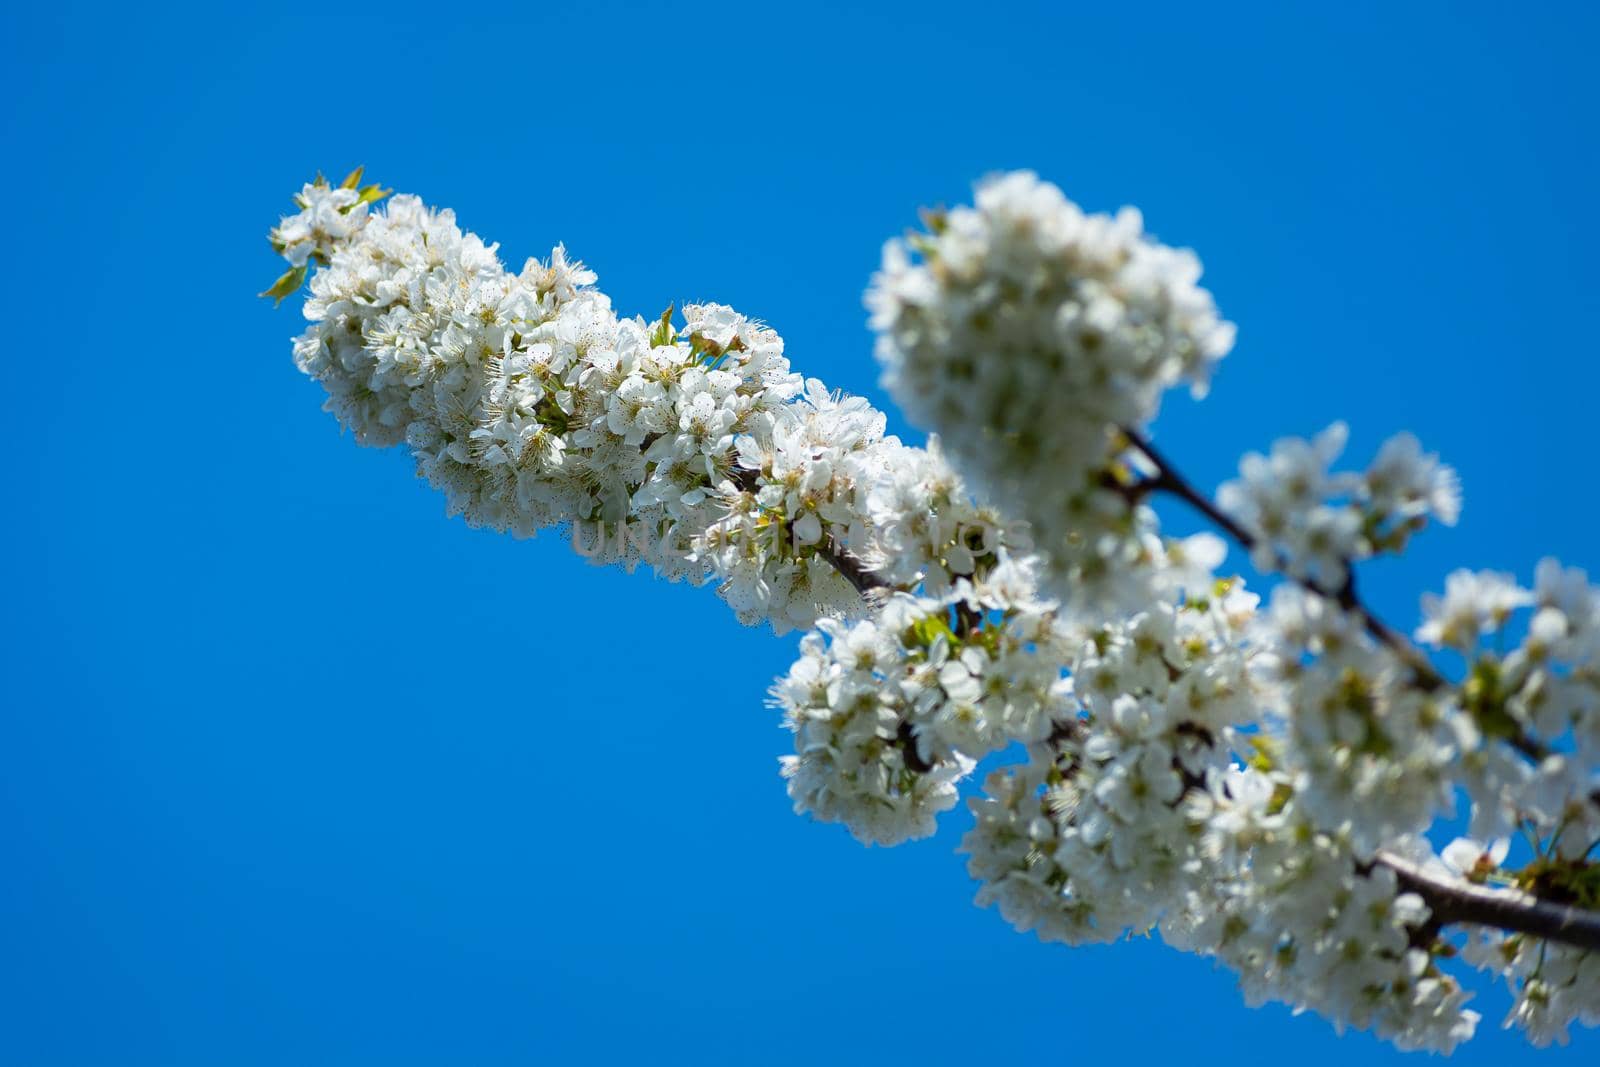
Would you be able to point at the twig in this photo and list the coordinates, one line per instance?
(1453, 901)
(1424, 674)
(1167, 479)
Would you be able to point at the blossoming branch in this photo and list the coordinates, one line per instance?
(1256, 782)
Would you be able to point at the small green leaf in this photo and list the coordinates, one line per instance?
(287, 285)
(369, 195)
(353, 179)
(664, 334)
(1282, 793)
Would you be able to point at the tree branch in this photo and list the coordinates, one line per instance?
(1424, 674)
(1168, 479)
(1453, 901)
(851, 568)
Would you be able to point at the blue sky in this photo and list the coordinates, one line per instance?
(295, 770)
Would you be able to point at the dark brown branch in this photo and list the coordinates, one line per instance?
(840, 559)
(852, 569)
(1453, 901)
(1424, 674)
(905, 739)
(1167, 479)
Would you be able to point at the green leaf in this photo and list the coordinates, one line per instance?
(370, 194)
(664, 334)
(352, 179)
(924, 632)
(1265, 753)
(287, 285)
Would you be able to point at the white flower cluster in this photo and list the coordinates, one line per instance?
(1312, 523)
(327, 216)
(1027, 332)
(1474, 605)
(1542, 697)
(1290, 907)
(1554, 985)
(530, 404)
(1231, 871)
(1373, 753)
(928, 529)
(889, 712)
(816, 461)
(1091, 838)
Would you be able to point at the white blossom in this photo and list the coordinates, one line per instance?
(889, 712)
(327, 216)
(1026, 332)
(1473, 604)
(1553, 985)
(1312, 522)
(1405, 484)
(1372, 753)
(1240, 779)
